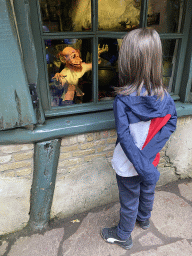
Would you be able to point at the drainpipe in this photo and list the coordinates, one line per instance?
(46, 156)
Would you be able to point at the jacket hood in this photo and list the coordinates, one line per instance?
(144, 108)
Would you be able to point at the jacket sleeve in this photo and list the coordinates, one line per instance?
(159, 140)
(141, 159)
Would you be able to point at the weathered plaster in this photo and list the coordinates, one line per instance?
(179, 148)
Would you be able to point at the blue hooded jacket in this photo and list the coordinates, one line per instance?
(163, 116)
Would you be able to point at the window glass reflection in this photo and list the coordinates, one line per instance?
(69, 65)
(108, 67)
(170, 49)
(165, 16)
(65, 15)
(118, 15)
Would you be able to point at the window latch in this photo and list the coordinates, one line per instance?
(34, 96)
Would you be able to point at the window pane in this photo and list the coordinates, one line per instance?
(65, 15)
(118, 15)
(108, 68)
(165, 16)
(70, 62)
(170, 50)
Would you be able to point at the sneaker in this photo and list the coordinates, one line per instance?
(110, 236)
(144, 224)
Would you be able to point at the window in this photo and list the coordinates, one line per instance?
(94, 29)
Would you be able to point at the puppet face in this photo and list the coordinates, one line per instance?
(71, 58)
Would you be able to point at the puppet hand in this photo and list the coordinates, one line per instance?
(59, 78)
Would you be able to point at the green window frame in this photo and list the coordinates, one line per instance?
(87, 117)
(94, 35)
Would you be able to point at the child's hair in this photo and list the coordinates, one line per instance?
(140, 63)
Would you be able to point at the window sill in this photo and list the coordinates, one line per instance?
(68, 126)
(60, 127)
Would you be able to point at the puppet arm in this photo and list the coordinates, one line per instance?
(87, 66)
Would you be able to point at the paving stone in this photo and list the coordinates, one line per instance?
(150, 239)
(186, 190)
(180, 248)
(171, 215)
(87, 240)
(38, 245)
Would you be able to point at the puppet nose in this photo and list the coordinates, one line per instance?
(78, 61)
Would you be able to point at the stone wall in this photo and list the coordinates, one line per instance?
(85, 178)
(16, 169)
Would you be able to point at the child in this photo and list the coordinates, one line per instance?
(145, 117)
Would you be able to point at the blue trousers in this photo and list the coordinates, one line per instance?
(136, 200)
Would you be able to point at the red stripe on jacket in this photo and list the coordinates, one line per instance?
(155, 126)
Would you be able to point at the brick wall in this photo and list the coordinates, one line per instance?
(16, 161)
(80, 149)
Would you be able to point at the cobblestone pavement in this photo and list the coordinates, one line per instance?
(170, 233)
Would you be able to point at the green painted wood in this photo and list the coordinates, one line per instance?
(71, 125)
(186, 84)
(23, 18)
(60, 127)
(16, 108)
(46, 157)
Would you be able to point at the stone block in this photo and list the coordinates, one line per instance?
(92, 157)
(68, 162)
(64, 141)
(5, 159)
(65, 155)
(105, 134)
(24, 172)
(100, 149)
(10, 148)
(98, 135)
(23, 156)
(109, 154)
(15, 148)
(84, 152)
(111, 141)
(8, 174)
(68, 148)
(72, 140)
(15, 165)
(87, 145)
(26, 147)
(81, 138)
(90, 137)
(113, 133)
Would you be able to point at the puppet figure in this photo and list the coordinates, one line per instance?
(74, 69)
(69, 76)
